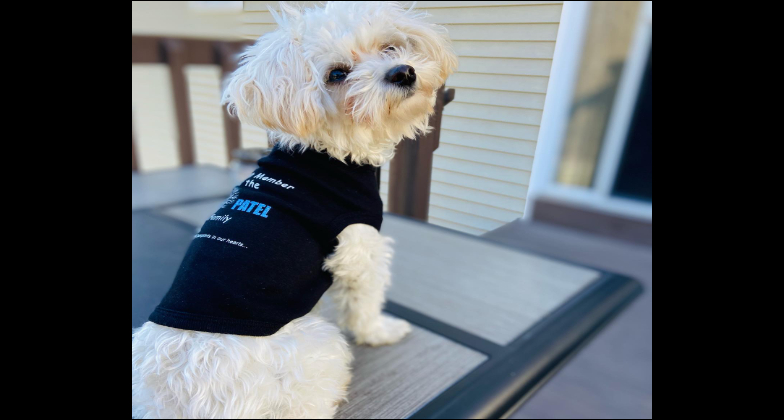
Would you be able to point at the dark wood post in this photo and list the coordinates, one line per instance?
(412, 166)
(227, 54)
(176, 56)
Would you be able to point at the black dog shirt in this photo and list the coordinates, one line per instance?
(256, 264)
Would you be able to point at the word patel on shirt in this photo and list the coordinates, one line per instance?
(249, 206)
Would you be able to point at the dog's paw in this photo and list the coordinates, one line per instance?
(389, 331)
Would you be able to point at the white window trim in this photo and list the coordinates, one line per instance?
(555, 117)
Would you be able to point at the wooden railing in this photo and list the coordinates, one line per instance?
(410, 170)
(178, 53)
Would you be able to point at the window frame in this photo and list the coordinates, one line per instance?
(555, 118)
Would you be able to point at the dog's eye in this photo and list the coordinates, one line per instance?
(337, 75)
(390, 48)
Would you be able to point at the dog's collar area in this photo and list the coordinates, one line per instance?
(308, 154)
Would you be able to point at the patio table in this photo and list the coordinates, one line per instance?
(491, 323)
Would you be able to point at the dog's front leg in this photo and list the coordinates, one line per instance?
(360, 272)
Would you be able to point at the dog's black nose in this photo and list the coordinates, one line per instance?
(402, 75)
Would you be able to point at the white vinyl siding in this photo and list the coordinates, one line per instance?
(209, 135)
(154, 123)
(488, 133)
(252, 137)
(179, 19)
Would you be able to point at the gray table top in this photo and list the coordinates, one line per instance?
(491, 323)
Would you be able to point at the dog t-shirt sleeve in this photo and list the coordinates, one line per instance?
(343, 221)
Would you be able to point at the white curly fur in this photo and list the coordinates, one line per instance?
(303, 370)
(360, 268)
(281, 82)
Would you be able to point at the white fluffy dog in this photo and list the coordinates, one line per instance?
(350, 79)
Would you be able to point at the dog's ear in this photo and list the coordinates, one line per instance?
(432, 39)
(448, 56)
(275, 87)
(438, 45)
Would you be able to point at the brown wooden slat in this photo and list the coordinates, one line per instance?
(146, 49)
(410, 170)
(150, 49)
(227, 54)
(200, 51)
(177, 57)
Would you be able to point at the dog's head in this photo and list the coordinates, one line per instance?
(351, 78)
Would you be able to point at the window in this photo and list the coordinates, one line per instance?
(595, 142)
(635, 173)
